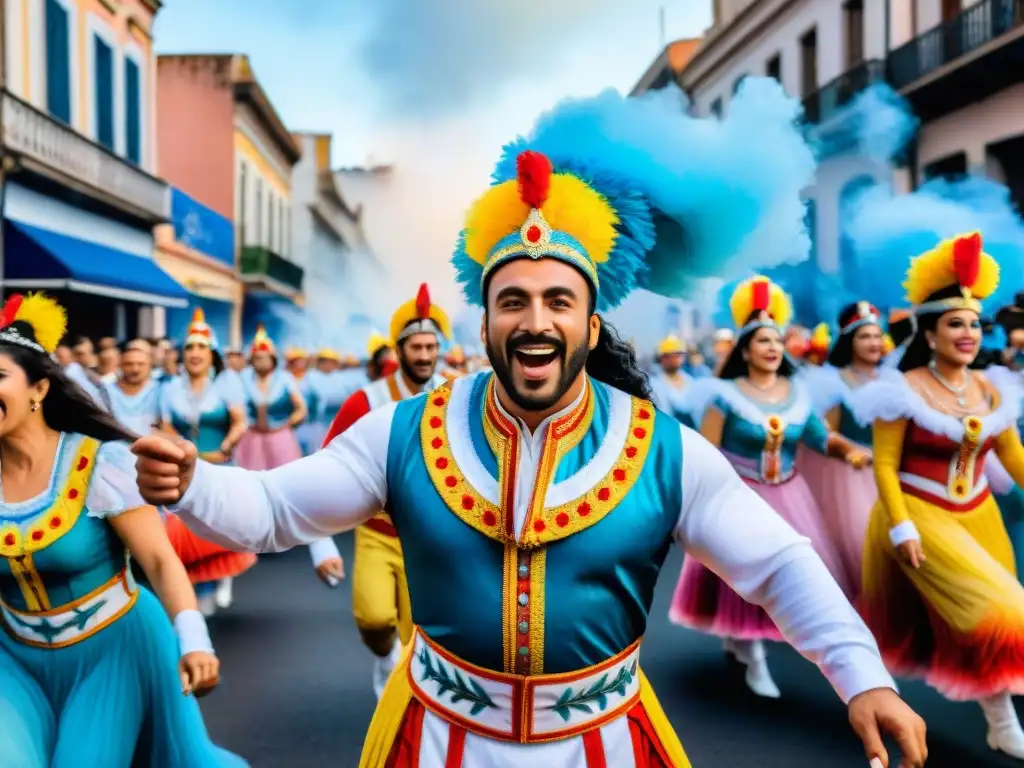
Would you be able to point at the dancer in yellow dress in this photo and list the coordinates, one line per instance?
(940, 591)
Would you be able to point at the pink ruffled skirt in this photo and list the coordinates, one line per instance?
(704, 602)
(267, 450)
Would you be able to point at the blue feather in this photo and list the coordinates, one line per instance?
(696, 198)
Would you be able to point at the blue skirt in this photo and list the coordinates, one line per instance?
(105, 702)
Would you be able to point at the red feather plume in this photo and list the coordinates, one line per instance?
(534, 173)
(423, 302)
(760, 296)
(10, 310)
(967, 259)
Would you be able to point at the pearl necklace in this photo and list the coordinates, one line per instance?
(958, 392)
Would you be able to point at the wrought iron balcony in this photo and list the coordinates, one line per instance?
(262, 265)
(826, 102)
(56, 151)
(976, 30)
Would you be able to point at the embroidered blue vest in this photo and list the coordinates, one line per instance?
(51, 551)
(577, 586)
(277, 398)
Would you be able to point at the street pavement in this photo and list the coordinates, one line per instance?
(296, 687)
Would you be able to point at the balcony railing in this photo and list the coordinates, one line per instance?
(825, 102)
(944, 44)
(54, 148)
(259, 262)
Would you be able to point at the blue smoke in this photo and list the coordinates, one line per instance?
(876, 125)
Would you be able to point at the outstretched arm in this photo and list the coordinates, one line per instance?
(331, 491)
(730, 529)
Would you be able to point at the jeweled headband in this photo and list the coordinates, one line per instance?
(866, 315)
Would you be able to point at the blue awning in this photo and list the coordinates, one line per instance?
(42, 259)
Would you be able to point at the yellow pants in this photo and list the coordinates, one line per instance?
(380, 592)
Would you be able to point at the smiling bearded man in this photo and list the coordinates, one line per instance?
(536, 505)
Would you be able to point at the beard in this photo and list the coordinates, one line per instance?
(413, 374)
(572, 365)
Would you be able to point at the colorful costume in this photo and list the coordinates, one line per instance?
(533, 555)
(139, 412)
(204, 419)
(380, 592)
(270, 440)
(760, 441)
(668, 392)
(958, 621)
(845, 495)
(83, 644)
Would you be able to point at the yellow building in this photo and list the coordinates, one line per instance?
(81, 191)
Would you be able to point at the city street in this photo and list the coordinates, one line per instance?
(296, 688)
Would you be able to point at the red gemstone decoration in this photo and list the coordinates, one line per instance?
(533, 233)
(630, 451)
(73, 493)
(639, 433)
(489, 518)
(538, 525)
(604, 494)
(435, 422)
(438, 401)
(55, 522)
(583, 509)
(619, 475)
(441, 463)
(562, 520)
(83, 462)
(450, 481)
(9, 539)
(37, 535)
(436, 443)
(468, 502)
(644, 413)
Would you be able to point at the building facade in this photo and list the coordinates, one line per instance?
(81, 194)
(342, 271)
(237, 164)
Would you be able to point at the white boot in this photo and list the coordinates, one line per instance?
(207, 604)
(383, 666)
(1004, 731)
(225, 594)
(751, 653)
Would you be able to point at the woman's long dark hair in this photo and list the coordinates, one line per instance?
(67, 407)
(736, 367)
(918, 353)
(841, 354)
(613, 362)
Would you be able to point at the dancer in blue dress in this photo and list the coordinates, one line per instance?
(81, 637)
(670, 386)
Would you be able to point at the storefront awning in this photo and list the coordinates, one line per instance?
(36, 258)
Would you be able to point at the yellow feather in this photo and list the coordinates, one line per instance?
(406, 313)
(48, 319)
(934, 270)
(821, 336)
(572, 207)
(741, 303)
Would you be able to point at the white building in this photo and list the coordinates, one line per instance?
(951, 59)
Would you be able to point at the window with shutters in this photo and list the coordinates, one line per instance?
(132, 111)
(58, 61)
(104, 92)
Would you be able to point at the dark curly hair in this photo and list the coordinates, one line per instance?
(67, 407)
(735, 366)
(613, 362)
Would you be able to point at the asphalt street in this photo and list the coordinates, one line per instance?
(296, 687)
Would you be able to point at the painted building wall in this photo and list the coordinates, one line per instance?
(197, 156)
(262, 188)
(90, 67)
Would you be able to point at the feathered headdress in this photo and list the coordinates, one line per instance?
(864, 313)
(759, 303)
(376, 343)
(420, 315)
(671, 345)
(960, 262)
(455, 356)
(888, 345)
(34, 322)
(819, 343)
(636, 193)
(261, 342)
(199, 332)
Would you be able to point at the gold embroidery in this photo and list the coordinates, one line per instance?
(961, 480)
(50, 525)
(771, 455)
(510, 606)
(538, 560)
(31, 586)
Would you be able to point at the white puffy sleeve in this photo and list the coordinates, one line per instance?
(229, 387)
(333, 490)
(112, 488)
(731, 530)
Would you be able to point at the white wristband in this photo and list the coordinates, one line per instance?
(904, 532)
(193, 636)
(323, 549)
